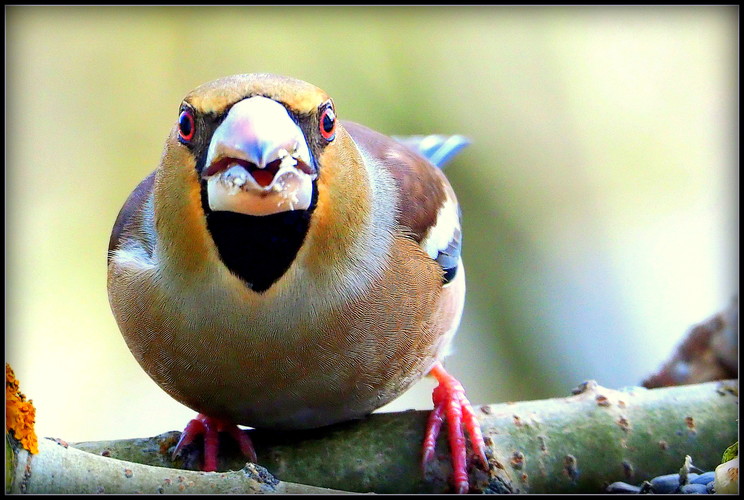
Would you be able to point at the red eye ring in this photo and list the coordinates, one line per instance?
(186, 126)
(327, 122)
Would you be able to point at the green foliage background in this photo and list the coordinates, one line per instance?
(599, 196)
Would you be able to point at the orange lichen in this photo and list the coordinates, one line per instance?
(20, 415)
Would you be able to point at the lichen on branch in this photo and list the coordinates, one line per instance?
(20, 414)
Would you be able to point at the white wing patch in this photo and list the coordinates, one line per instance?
(443, 231)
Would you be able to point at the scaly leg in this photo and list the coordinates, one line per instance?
(451, 404)
(210, 428)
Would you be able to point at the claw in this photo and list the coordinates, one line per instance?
(450, 403)
(433, 426)
(210, 428)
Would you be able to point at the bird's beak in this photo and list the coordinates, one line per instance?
(258, 162)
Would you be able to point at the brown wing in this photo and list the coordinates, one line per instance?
(423, 186)
(132, 209)
(424, 192)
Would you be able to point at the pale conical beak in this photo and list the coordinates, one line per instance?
(258, 162)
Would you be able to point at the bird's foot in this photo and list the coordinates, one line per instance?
(451, 404)
(210, 428)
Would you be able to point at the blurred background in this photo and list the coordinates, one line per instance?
(600, 193)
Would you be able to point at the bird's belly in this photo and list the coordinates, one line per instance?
(343, 367)
(271, 368)
(296, 382)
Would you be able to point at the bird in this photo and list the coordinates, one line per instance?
(282, 268)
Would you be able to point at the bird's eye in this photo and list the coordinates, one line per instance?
(328, 121)
(186, 126)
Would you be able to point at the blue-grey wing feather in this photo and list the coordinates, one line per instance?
(438, 149)
(449, 258)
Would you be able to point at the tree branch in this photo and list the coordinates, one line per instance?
(565, 445)
(60, 468)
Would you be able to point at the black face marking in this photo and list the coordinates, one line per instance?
(309, 123)
(258, 249)
(206, 123)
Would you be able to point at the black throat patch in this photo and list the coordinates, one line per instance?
(258, 249)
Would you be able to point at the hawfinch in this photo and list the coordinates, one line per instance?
(283, 269)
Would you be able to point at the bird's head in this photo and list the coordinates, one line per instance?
(252, 162)
(256, 142)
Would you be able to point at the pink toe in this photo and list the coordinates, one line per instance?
(451, 404)
(210, 428)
